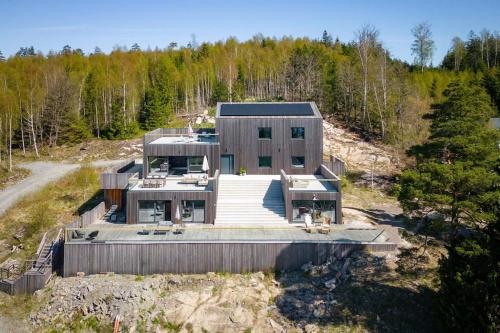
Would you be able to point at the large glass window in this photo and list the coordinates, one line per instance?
(152, 211)
(298, 132)
(298, 161)
(321, 211)
(265, 133)
(158, 164)
(193, 211)
(265, 161)
(195, 163)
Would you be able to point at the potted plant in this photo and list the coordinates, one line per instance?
(243, 171)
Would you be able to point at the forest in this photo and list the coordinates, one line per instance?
(438, 115)
(67, 97)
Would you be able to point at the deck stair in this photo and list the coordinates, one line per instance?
(252, 200)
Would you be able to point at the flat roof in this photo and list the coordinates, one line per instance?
(266, 109)
(289, 234)
(185, 139)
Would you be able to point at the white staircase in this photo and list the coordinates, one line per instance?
(252, 200)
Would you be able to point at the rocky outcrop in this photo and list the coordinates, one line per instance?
(358, 154)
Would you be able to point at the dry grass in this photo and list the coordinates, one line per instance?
(46, 210)
(10, 178)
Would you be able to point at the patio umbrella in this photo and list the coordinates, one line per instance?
(177, 214)
(205, 167)
(190, 130)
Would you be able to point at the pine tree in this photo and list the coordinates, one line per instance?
(157, 109)
(2, 58)
(135, 48)
(327, 39)
(457, 176)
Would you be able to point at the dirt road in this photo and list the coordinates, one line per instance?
(42, 173)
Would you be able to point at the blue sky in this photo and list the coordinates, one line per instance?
(50, 24)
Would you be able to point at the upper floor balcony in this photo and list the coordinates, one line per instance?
(177, 136)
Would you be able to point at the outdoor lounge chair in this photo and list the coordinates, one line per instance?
(93, 235)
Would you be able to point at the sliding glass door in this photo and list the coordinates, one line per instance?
(153, 211)
(193, 211)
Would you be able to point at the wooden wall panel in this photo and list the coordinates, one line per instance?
(188, 258)
(239, 136)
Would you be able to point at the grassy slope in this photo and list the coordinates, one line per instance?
(9, 178)
(46, 210)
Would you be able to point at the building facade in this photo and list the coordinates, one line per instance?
(182, 168)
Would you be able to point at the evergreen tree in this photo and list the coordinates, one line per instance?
(135, 47)
(455, 166)
(457, 176)
(327, 39)
(156, 108)
(2, 58)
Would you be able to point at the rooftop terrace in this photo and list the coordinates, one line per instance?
(290, 234)
(181, 136)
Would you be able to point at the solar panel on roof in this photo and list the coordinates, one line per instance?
(266, 109)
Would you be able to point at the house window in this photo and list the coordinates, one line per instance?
(298, 132)
(193, 211)
(321, 211)
(151, 211)
(265, 133)
(158, 164)
(195, 163)
(298, 162)
(265, 161)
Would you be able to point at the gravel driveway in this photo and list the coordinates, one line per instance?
(42, 173)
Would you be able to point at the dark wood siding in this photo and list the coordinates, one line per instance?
(186, 258)
(239, 136)
(114, 197)
(175, 197)
(209, 150)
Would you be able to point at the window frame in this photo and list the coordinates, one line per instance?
(156, 211)
(265, 167)
(191, 205)
(265, 128)
(303, 132)
(303, 163)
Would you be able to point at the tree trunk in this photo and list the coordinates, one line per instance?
(33, 133)
(10, 142)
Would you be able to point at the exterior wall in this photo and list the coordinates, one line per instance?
(114, 197)
(211, 150)
(210, 198)
(239, 136)
(293, 195)
(189, 258)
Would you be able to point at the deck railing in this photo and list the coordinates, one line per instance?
(336, 165)
(117, 177)
(172, 132)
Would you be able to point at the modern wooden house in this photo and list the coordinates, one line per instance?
(233, 223)
(192, 176)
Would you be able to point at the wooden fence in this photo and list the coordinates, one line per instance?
(35, 273)
(189, 258)
(336, 165)
(89, 217)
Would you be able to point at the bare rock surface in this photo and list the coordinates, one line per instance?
(358, 154)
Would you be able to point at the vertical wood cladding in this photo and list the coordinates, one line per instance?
(188, 258)
(239, 136)
(113, 197)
